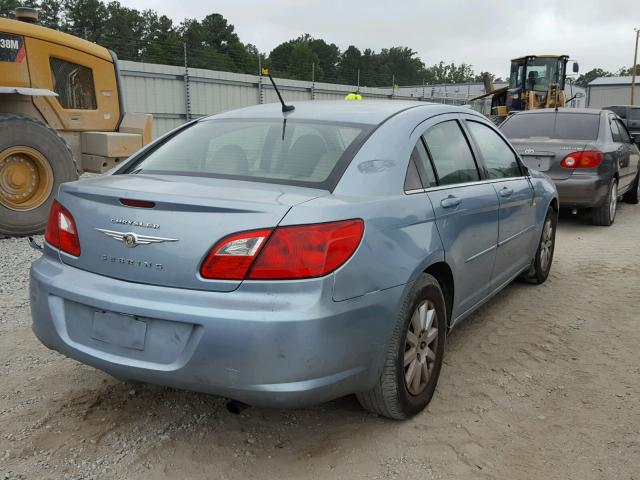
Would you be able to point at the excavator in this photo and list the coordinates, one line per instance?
(535, 81)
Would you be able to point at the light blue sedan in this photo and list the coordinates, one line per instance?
(286, 259)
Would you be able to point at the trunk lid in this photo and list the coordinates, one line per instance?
(545, 154)
(190, 215)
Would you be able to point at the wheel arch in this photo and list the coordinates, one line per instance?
(442, 272)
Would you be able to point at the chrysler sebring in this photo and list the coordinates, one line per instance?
(286, 259)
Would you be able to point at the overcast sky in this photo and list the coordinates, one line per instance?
(484, 33)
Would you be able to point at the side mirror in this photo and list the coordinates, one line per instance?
(576, 67)
(636, 139)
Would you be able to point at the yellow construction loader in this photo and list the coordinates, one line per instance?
(535, 81)
(61, 113)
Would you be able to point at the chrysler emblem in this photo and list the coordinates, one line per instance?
(131, 239)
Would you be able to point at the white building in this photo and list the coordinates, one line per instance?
(605, 91)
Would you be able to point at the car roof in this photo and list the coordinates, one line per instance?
(371, 112)
(586, 111)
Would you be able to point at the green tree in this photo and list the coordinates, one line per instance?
(122, 31)
(51, 13)
(403, 64)
(85, 19)
(584, 79)
(161, 42)
(7, 7)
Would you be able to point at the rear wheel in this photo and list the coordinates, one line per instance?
(541, 265)
(414, 354)
(605, 214)
(633, 195)
(34, 160)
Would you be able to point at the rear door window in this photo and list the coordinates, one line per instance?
(634, 114)
(562, 125)
(500, 160)
(451, 154)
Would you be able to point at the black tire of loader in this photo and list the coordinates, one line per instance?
(21, 130)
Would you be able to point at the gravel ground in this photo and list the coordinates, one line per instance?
(542, 382)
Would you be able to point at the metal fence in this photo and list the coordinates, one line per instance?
(175, 94)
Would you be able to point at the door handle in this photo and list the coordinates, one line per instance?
(450, 202)
(506, 192)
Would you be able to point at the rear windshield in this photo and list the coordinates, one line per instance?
(296, 152)
(573, 126)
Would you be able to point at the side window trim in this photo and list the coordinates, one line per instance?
(612, 122)
(509, 146)
(433, 167)
(623, 128)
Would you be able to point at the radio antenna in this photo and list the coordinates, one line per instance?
(285, 108)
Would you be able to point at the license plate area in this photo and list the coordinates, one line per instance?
(541, 164)
(120, 330)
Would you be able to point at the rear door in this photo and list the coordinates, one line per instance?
(634, 152)
(633, 120)
(622, 141)
(466, 210)
(515, 193)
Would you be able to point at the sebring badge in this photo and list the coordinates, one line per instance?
(132, 240)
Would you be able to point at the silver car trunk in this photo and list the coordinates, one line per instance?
(545, 154)
(190, 215)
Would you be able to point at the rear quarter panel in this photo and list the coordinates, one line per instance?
(401, 239)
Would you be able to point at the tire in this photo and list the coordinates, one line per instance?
(605, 214)
(543, 260)
(19, 132)
(633, 195)
(391, 397)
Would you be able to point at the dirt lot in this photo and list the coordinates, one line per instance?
(541, 383)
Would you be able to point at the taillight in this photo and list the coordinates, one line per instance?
(231, 258)
(286, 253)
(583, 159)
(306, 251)
(61, 230)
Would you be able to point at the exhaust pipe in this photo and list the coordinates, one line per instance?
(235, 407)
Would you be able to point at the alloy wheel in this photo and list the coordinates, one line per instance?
(420, 348)
(613, 202)
(546, 245)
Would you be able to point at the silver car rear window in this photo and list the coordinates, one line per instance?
(305, 153)
(569, 126)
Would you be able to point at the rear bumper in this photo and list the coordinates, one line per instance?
(582, 191)
(286, 345)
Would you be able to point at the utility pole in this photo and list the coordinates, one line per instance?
(313, 81)
(358, 81)
(260, 91)
(634, 66)
(187, 93)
